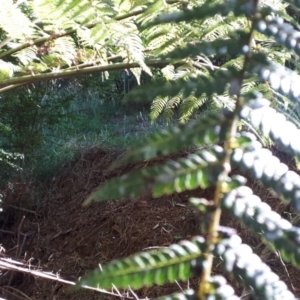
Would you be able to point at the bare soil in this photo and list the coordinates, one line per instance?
(50, 231)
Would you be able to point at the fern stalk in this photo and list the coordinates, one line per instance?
(63, 33)
(16, 81)
(221, 187)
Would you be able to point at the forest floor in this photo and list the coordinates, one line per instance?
(58, 238)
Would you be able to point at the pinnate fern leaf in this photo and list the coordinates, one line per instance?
(259, 217)
(208, 84)
(283, 33)
(281, 79)
(238, 260)
(274, 125)
(209, 129)
(197, 170)
(148, 268)
(263, 166)
(217, 47)
(208, 10)
(15, 23)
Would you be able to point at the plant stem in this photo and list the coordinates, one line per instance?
(12, 82)
(213, 235)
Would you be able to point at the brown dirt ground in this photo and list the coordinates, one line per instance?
(61, 237)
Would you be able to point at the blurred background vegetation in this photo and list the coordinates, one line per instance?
(44, 124)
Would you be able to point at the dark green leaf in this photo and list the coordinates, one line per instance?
(177, 138)
(197, 170)
(144, 269)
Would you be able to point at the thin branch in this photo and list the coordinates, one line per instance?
(50, 37)
(17, 81)
(11, 265)
(212, 237)
(10, 87)
(13, 295)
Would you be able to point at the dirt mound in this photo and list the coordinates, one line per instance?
(67, 239)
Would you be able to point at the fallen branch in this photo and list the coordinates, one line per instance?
(9, 264)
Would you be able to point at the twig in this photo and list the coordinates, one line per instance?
(285, 268)
(17, 247)
(23, 209)
(179, 285)
(13, 294)
(50, 276)
(18, 236)
(134, 294)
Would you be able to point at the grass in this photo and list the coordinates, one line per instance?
(85, 112)
(92, 121)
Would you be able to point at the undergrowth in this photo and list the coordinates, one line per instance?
(93, 115)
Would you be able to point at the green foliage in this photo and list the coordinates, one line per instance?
(198, 169)
(24, 113)
(54, 121)
(189, 134)
(251, 80)
(156, 266)
(226, 55)
(259, 217)
(239, 260)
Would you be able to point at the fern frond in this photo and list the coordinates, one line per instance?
(259, 217)
(148, 268)
(85, 12)
(281, 79)
(7, 70)
(209, 10)
(163, 44)
(274, 125)
(170, 106)
(27, 56)
(15, 23)
(197, 170)
(263, 166)
(64, 47)
(189, 105)
(126, 36)
(238, 260)
(198, 86)
(208, 129)
(151, 12)
(216, 47)
(157, 107)
(283, 33)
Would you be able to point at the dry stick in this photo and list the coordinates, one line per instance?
(51, 276)
(23, 209)
(66, 73)
(17, 248)
(19, 232)
(4, 288)
(212, 238)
